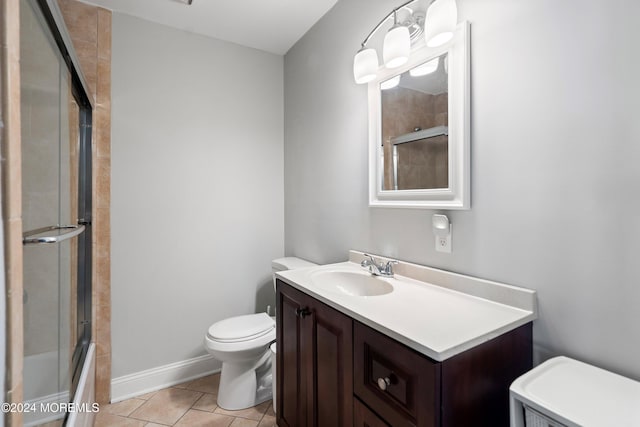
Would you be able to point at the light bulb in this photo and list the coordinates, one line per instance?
(440, 22)
(365, 65)
(397, 46)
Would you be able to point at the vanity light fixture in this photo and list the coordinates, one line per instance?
(438, 27)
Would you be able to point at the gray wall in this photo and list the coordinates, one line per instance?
(555, 164)
(197, 188)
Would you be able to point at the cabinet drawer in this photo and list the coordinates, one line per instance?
(402, 385)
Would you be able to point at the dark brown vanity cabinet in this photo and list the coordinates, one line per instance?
(406, 388)
(334, 371)
(315, 362)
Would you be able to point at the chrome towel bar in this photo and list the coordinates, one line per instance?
(74, 230)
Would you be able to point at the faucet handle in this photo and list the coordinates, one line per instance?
(371, 259)
(371, 265)
(389, 267)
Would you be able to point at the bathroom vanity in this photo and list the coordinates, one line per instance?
(426, 348)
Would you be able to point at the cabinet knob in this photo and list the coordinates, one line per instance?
(303, 312)
(383, 383)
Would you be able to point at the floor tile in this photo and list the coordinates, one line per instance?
(254, 413)
(104, 419)
(57, 423)
(208, 384)
(268, 421)
(243, 422)
(122, 408)
(190, 404)
(166, 406)
(147, 396)
(270, 410)
(194, 418)
(207, 402)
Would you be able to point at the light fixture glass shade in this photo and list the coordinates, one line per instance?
(440, 22)
(397, 46)
(365, 65)
(391, 83)
(424, 69)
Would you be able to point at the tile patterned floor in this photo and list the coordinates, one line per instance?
(191, 404)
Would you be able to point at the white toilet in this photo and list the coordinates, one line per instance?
(242, 343)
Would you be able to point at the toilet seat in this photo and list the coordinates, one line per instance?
(242, 328)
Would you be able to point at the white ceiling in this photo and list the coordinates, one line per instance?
(273, 26)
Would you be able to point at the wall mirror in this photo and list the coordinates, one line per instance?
(419, 129)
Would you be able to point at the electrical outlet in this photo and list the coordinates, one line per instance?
(443, 244)
(442, 230)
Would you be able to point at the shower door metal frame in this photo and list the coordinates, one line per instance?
(79, 89)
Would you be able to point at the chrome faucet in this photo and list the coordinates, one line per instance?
(378, 268)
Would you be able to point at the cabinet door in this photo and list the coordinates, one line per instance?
(315, 362)
(292, 357)
(364, 417)
(333, 367)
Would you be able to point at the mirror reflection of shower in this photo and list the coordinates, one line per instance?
(415, 127)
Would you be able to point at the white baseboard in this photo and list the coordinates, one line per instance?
(133, 385)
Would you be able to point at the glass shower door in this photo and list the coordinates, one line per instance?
(54, 234)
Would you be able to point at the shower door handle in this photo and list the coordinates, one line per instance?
(73, 231)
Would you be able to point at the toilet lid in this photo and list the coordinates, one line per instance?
(242, 328)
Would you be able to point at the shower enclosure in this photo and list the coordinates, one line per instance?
(56, 205)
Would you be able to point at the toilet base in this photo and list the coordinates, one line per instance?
(245, 384)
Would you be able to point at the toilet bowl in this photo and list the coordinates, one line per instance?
(242, 344)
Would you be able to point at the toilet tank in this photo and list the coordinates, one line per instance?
(288, 263)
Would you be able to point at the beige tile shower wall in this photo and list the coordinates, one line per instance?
(423, 163)
(90, 30)
(404, 111)
(11, 197)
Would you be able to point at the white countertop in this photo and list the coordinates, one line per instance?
(434, 318)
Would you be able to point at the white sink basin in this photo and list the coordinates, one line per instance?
(351, 283)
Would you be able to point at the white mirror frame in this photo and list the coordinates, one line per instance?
(457, 195)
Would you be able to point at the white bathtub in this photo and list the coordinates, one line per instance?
(41, 387)
(41, 390)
